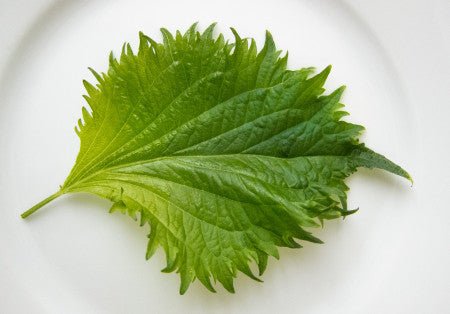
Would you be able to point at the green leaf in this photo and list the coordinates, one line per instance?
(221, 150)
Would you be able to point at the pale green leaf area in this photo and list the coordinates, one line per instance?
(218, 147)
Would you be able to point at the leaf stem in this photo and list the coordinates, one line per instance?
(41, 204)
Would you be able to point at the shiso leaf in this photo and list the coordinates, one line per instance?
(218, 147)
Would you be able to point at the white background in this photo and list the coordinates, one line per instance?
(393, 256)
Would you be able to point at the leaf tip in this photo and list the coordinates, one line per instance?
(96, 74)
(234, 31)
(269, 43)
(327, 70)
(348, 212)
(409, 178)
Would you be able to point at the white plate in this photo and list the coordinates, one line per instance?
(72, 257)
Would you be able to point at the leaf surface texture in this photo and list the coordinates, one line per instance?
(218, 147)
